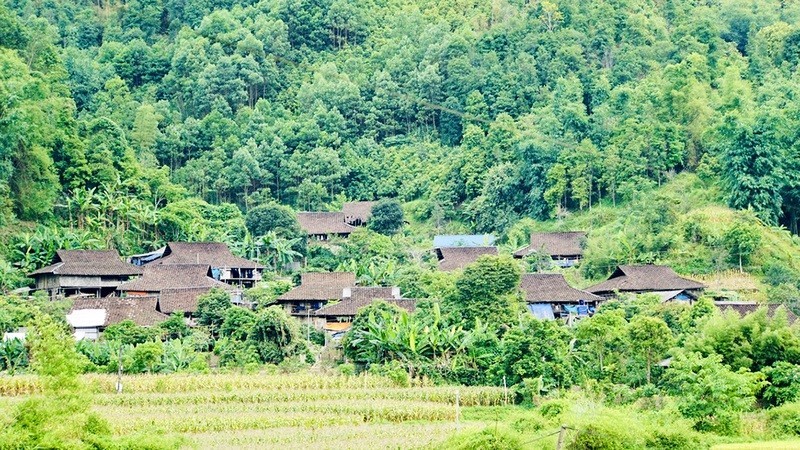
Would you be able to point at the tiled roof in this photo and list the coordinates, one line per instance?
(371, 292)
(214, 254)
(552, 288)
(463, 240)
(88, 263)
(183, 300)
(644, 278)
(159, 277)
(745, 308)
(357, 211)
(315, 223)
(320, 286)
(555, 244)
(141, 310)
(454, 258)
(349, 307)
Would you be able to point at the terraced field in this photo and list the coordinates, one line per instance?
(277, 411)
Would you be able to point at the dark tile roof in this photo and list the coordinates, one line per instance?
(552, 288)
(320, 286)
(644, 278)
(370, 292)
(555, 244)
(315, 223)
(141, 310)
(159, 277)
(349, 307)
(745, 308)
(357, 211)
(183, 300)
(88, 263)
(214, 254)
(454, 258)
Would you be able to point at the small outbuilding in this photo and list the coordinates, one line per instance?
(316, 289)
(322, 226)
(95, 273)
(553, 291)
(640, 279)
(564, 248)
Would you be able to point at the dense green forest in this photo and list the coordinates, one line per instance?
(130, 123)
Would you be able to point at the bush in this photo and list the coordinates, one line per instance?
(489, 438)
(667, 439)
(392, 370)
(347, 369)
(784, 420)
(553, 408)
(600, 437)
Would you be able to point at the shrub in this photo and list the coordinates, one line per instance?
(599, 437)
(784, 420)
(393, 370)
(487, 439)
(553, 408)
(668, 439)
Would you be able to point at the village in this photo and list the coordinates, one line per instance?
(147, 288)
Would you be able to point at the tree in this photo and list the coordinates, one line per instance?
(212, 307)
(175, 327)
(237, 323)
(486, 292)
(741, 239)
(272, 217)
(753, 162)
(534, 349)
(276, 336)
(649, 338)
(387, 217)
(710, 393)
(602, 335)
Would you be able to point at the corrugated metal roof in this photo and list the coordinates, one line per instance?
(87, 318)
(463, 240)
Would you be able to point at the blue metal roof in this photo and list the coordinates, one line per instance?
(463, 240)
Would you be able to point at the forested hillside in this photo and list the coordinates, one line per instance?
(126, 124)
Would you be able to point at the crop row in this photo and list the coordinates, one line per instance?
(468, 396)
(391, 411)
(100, 383)
(404, 435)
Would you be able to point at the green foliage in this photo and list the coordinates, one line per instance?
(128, 333)
(387, 217)
(212, 307)
(649, 338)
(489, 438)
(486, 292)
(175, 327)
(276, 336)
(237, 323)
(783, 383)
(784, 420)
(710, 393)
(536, 349)
(272, 217)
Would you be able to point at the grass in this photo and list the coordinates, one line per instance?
(769, 445)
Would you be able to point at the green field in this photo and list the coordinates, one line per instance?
(277, 411)
(770, 445)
